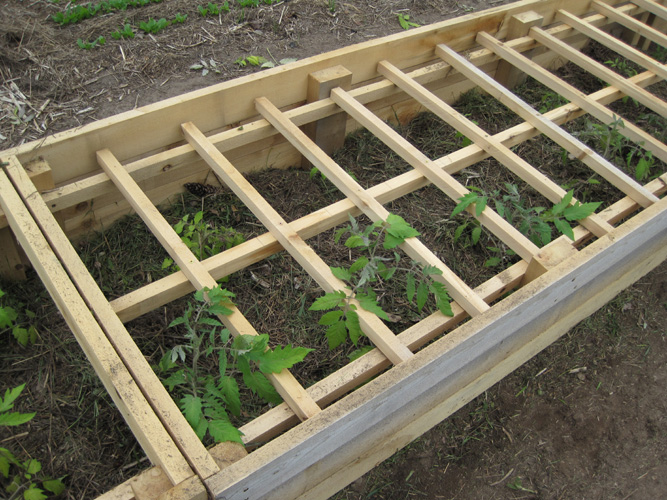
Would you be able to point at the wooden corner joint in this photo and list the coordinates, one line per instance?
(549, 257)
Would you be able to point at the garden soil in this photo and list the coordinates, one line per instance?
(585, 419)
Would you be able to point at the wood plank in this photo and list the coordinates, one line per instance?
(653, 7)
(519, 26)
(587, 103)
(284, 468)
(458, 289)
(616, 45)
(572, 145)
(152, 388)
(11, 264)
(286, 385)
(147, 428)
(288, 238)
(495, 148)
(611, 77)
(630, 22)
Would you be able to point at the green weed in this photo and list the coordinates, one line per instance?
(77, 13)
(23, 331)
(153, 25)
(213, 9)
(125, 32)
(406, 24)
(86, 45)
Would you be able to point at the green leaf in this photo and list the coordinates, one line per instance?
(34, 493)
(430, 270)
(4, 466)
(480, 204)
(464, 202)
(33, 466)
(178, 321)
(564, 228)
(260, 385)
(360, 352)
(492, 262)
(369, 302)
(209, 322)
(397, 231)
(220, 309)
(358, 264)
(336, 334)
(422, 295)
(55, 486)
(330, 318)
(230, 391)
(459, 231)
(341, 273)
(560, 206)
(476, 234)
(353, 327)
(222, 430)
(177, 378)
(10, 396)
(391, 241)
(328, 301)
(355, 241)
(442, 298)
(580, 211)
(7, 317)
(281, 357)
(15, 418)
(410, 287)
(192, 409)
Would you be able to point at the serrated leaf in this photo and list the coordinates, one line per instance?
(355, 241)
(430, 270)
(178, 321)
(358, 264)
(476, 234)
(330, 318)
(397, 227)
(328, 301)
(410, 287)
(360, 352)
(391, 241)
(281, 357)
(459, 231)
(15, 418)
(353, 327)
(55, 486)
(4, 466)
(33, 466)
(341, 273)
(230, 390)
(209, 322)
(500, 208)
(260, 385)
(492, 261)
(369, 303)
(464, 202)
(387, 273)
(177, 378)
(336, 334)
(34, 493)
(560, 206)
(422, 295)
(480, 205)
(192, 409)
(7, 317)
(10, 396)
(564, 228)
(580, 211)
(544, 232)
(221, 431)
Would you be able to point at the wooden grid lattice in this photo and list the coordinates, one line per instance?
(555, 285)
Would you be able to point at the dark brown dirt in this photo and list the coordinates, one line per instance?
(584, 419)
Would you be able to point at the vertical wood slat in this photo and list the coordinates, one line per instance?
(154, 391)
(630, 22)
(285, 383)
(519, 25)
(374, 328)
(583, 101)
(146, 427)
(414, 248)
(609, 41)
(611, 77)
(503, 154)
(572, 145)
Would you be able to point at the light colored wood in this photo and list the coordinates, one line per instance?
(572, 145)
(588, 103)
(288, 238)
(142, 373)
(519, 25)
(145, 425)
(653, 7)
(601, 71)
(368, 204)
(11, 263)
(150, 485)
(190, 489)
(504, 155)
(630, 22)
(616, 45)
(439, 372)
(176, 285)
(328, 133)
(549, 257)
(286, 385)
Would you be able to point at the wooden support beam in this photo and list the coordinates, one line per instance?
(519, 26)
(328, 133)
(288, 238)
(572, 145)
(12, 267)
(146, 427)
(588, 103)
(549, 257)
(152, 388)
(495, 148)
(286, 385)
(616, 45)
(630, 22)
(653, 7)
(369, 205)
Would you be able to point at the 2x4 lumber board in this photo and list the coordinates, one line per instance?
(616, 45)
(177, 285)
(519, 25)
(340, 435)
(495, 148)
(11, 264)
(82, 191)
(630, 22)
(145, 425)
(289, 239)
(442, 179)
(154, 391)
(653, 7)
(611, 77)
(150, 128)
(470, 301)
(572, 145)
(285, 383)
(589, 103)
(277, 420)
(381, 447)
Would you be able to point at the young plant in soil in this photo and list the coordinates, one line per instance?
(207, 399)
(368, 270)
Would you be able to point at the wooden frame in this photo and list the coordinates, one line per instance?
(343, 425)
